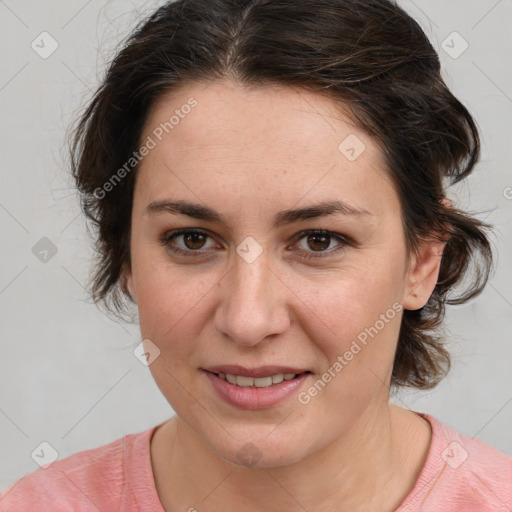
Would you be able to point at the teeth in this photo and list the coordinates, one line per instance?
(260, 382)
(244, 381)
(276, 379)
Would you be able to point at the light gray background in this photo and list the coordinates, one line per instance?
(68, 375)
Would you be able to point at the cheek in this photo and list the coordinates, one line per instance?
(172, 302)
(361, 314)
(357, 352)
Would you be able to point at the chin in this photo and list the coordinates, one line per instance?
(253, 452)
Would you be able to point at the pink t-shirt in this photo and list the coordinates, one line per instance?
(460, 474)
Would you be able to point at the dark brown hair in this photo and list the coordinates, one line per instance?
(367, 55)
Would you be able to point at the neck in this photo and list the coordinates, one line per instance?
(369, 467)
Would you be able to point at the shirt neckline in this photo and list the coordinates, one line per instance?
(428, 475)
(147, 487)
(139, 461)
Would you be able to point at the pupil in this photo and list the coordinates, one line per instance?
(323, 237)
(187, 238)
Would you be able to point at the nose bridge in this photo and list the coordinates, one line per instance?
(252, 303)
(251, 276)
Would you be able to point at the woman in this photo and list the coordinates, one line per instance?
(268, 181)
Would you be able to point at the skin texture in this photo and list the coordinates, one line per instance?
(249, 153)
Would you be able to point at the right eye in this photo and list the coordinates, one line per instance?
(193, 240)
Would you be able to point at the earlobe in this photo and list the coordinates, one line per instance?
(424, 268)
(423, 274)
(129, 284)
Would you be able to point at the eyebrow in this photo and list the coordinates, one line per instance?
(202, 212)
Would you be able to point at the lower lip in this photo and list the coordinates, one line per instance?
(255, 398)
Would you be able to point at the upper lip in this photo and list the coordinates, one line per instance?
(260, 371)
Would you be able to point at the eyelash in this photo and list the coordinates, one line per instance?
(344, 241)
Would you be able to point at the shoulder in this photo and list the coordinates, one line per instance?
(88, 480)
(461, 473)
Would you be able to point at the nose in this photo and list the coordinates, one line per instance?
(253, 302)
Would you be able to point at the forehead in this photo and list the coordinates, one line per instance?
(282, 142)
(251, 116)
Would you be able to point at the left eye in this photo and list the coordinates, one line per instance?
(194, 240)
(319, 241)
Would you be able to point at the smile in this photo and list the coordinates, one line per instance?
(261, 382)
(261, 392)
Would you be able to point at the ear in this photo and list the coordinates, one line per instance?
(423, 271)
(127, 280)
(423, 274)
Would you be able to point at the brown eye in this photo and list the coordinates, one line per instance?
(192, 242)
(319, 241)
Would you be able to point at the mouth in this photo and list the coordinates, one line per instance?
(256, 388)
(258, 382)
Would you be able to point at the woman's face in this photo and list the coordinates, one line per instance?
(242, 297)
